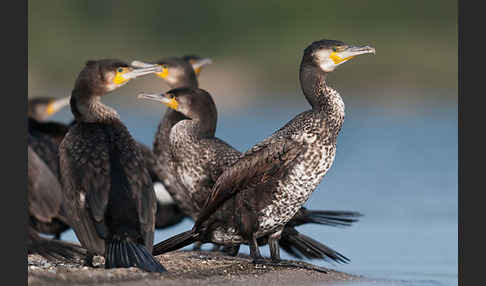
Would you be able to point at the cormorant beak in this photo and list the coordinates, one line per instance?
(198, 64)
(140, 64)
(57, 104)
(349, 52)
(165, 98)
(140, 71)
(162, 72)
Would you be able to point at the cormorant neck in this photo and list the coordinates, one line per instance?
(187, 79)
(90, 109)
(319, 95)
(312, 82)
(204, 126)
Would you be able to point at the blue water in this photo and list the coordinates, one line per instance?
(397, 168)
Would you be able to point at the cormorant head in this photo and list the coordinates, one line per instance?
(41, 108)
(101, 76)
(191, 102)
(329, 54)
(178, 71)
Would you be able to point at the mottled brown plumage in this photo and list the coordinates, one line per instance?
(186, 78)
(200, 158)
(181, 72)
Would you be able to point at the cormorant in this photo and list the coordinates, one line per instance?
(270, 182)
(106, 183)
(44, 202)
(44, 138)
(176, 72)
(200, 158)
(41, 108)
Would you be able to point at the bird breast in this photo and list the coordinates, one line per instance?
(295, 189)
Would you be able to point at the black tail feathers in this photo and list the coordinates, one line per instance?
(56, 250)
(330, 218)
(125, 253)
(176, 242)
(299, 245)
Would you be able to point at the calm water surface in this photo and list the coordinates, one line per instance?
(398, 169)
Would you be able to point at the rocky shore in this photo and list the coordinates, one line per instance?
(184, 268)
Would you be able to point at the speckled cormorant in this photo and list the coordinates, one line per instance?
(44, 203)
(110, 195)
(200, 158)
(44, 138)
(270, 182)
(177, 72)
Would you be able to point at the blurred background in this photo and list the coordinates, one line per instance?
(397, 152)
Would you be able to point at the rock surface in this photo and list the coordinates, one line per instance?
(184, 268)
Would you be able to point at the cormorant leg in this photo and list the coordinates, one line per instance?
(215, 247)
(197, 246)
(231, 250)
(274, 247)
(275, 256)
(255, 251)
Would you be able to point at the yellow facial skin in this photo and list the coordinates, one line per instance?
(119, 79)
(172, 103)
(50, 109)
(337, 59)
(164, 73)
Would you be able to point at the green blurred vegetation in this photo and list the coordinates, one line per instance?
(416, 41)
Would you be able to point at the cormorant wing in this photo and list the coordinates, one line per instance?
(44, 194)
(107, 168)
(267, 160)
(227, 156)
(85, 177)
(46, 148)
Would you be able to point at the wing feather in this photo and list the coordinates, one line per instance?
(85, 177)
(44, 195)
(267, 160)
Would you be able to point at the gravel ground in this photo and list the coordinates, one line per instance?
(184, 268)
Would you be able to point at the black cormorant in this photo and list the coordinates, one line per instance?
(270, 182)
(108, 188)
(44, 203)
(200, 158)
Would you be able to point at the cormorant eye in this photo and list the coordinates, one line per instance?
(120, 70)
(334, 49)
(171, 96)
(165, 66)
